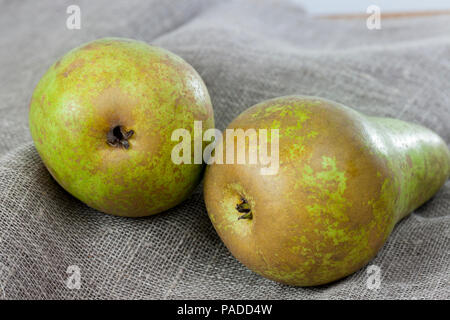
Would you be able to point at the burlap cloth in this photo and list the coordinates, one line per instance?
(246, 51)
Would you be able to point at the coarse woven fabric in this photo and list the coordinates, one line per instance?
(246, 51)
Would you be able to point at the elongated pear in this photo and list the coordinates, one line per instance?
(344, 180)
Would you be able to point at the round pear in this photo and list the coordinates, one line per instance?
(102, 117)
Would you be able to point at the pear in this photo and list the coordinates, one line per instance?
(344, 180)
(102, 119)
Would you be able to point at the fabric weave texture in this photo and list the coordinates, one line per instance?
(246, 51)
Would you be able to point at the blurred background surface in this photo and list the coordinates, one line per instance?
(319, 7)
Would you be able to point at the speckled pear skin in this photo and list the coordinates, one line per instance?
(344, 181)
(109, 83)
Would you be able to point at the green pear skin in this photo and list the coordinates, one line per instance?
(102, 117)
(344, 181)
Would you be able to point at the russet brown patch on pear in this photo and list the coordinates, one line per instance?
(73, 66)
(115, 107)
